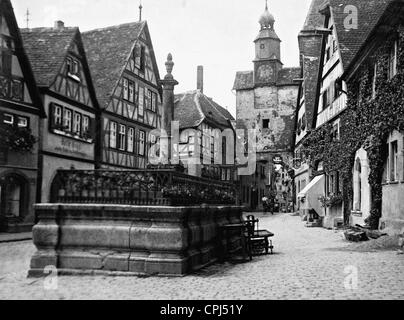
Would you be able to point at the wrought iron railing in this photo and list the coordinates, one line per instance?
(139, 187)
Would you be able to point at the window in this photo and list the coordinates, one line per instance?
(140, 55)
(325, 99)
(374, 81)
(22, 122)
(73, 68)
(334, 45)
(154, 102)
(131, 92)
(86, 125)
(142, 143)
(131, 139)
(141, 102)
(393, 60)
(57, 116)
(335, 132)
(122, 137)
(394, 161)
(77, 123)
(67, 120)
(8, 119)
(112, 134)
(149, 99)
(337, 90)
(265, 124)
(125, 89)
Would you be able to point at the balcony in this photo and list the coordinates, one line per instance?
(333, 110)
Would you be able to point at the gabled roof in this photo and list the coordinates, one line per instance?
(193, 107)
(314, 18)
(244, 80)
(369, 14)
(7, 9)
(47, 50)
(286, 76)
(108, 50)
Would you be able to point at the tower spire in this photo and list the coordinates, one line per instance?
(27, 18)
(140, 11)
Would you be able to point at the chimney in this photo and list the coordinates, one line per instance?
(59, 25)
(200, 78)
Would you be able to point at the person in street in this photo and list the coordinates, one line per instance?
(265, 203)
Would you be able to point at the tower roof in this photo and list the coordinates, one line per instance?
(267, 20)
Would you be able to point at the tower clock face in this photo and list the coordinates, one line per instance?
(265, 72)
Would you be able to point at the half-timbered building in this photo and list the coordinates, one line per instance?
(20, 112)
(68, 133)
(126, 78)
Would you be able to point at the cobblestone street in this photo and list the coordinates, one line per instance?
(308, 264)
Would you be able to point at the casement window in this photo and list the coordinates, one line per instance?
(86, 125)
(393, 60)
(122, 137)
(113, 127)
(57, 116)
(154, 102)
(149, 99)
(15, 120)
(126, 89)
(141, 101)
(77, 123)
(136, 93)
(394, 161)
(73, 68)
(142, 143)
(374, 81)
(131, 140)
(67, 119)
(131, 92)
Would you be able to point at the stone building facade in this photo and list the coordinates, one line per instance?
(266, 102)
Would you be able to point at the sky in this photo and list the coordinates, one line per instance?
(217, 34)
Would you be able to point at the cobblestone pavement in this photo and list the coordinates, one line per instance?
(308, 264)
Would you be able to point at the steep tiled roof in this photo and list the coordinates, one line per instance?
(287, 75)
(107, 51)
(193, 107)
(244, 80)
(369, 14)
(314, 18)
(46, 49)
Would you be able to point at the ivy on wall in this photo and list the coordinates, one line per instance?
(366, 122)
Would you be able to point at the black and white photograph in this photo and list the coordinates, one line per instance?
(202, 150)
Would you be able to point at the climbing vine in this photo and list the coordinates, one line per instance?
(366, 122)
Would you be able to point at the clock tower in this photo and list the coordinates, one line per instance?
(267, 61)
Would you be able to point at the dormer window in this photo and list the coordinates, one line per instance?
(73, 69)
